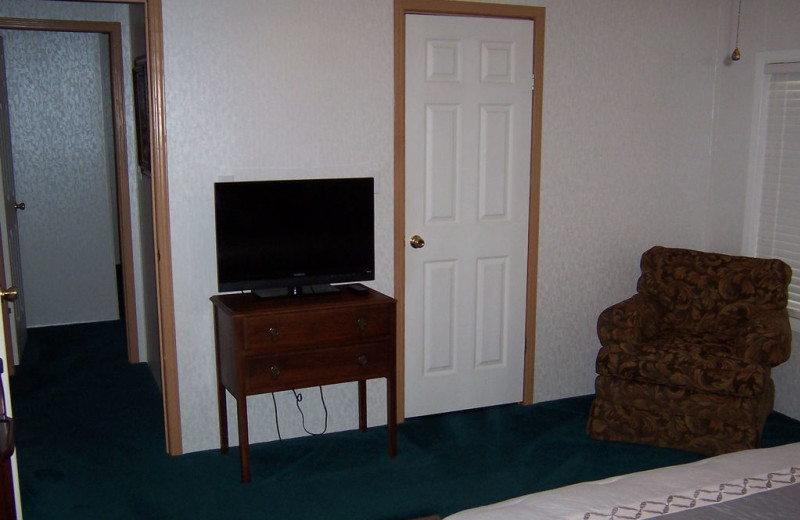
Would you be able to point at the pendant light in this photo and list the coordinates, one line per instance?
(736, 55)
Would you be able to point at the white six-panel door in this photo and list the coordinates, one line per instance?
(468, 136)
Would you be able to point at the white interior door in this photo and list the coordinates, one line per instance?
(468, 136)
(11, 274)
(6, 361)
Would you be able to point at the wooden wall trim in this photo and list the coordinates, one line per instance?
(456, 8)
(400, 200)
(164, 281)
(123, 192)
(29, 24)
(453, 8)
(534, 205)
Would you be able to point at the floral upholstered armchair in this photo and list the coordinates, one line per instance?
(685, 363)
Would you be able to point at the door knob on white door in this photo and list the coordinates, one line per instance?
(417, 242)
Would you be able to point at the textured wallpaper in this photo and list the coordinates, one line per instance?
(628, 105)
(270, 90)
(290, 89)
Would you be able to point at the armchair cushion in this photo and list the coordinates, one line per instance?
(704, 362)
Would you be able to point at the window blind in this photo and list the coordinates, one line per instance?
(779, 220)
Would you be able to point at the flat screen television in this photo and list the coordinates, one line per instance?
(290, 237)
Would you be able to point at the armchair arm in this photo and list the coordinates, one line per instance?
(634, 319)
(766, 337)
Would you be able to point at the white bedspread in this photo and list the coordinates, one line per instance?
(729, 476)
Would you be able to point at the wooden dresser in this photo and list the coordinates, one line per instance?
(271, 345)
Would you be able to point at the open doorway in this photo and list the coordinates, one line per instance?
(66, 175)
(73, 153)
(158, 199)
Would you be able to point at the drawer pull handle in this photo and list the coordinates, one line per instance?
(275, 370)
(362, 360)
(274, 333)
(362, 323)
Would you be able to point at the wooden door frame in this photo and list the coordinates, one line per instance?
(161, 227)
(472, 9)
(158, 164)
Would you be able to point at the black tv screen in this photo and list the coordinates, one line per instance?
(294, 233)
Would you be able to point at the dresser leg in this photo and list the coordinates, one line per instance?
(362, 405)
(222, 406)
(244, 441)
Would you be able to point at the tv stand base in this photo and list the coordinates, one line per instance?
(296, 290)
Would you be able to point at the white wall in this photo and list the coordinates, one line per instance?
(269, 90)
(64, 173)
(622, 172)
(628, 103)
(768, 25)
(295, 88)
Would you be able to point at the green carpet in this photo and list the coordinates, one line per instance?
(91, 446)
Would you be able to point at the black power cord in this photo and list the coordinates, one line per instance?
(277, 424)
(298, 397)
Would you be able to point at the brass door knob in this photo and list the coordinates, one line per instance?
(9, 294)
(417, 242)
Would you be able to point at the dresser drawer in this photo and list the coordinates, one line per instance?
(316, 327)
(319, 367)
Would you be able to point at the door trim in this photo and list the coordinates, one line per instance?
(158, 157)
(453, 8)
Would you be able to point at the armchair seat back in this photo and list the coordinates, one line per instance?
(698, 289)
